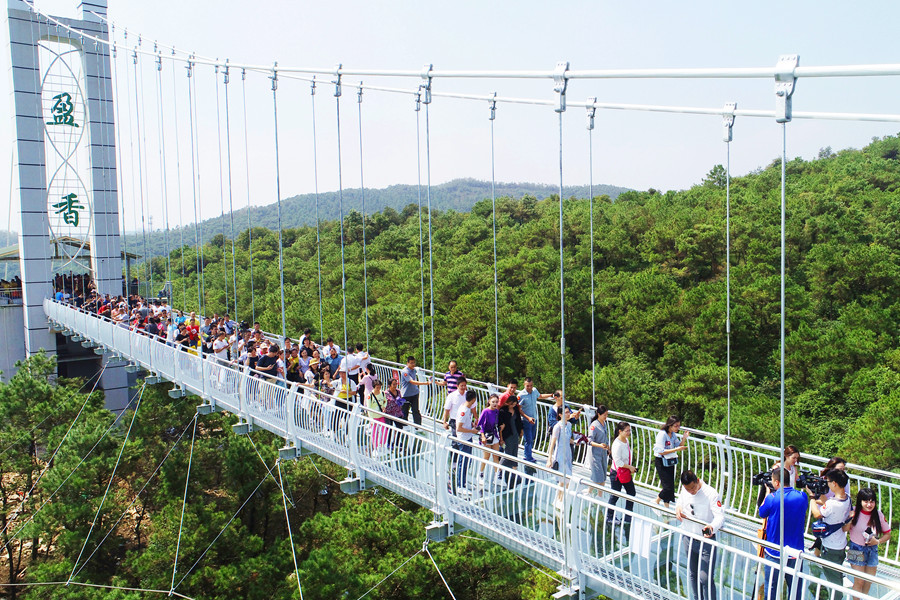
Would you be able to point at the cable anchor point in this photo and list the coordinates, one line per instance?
(426, 75)
(785, 82)
(359, 93)
(728, 120)
(226, 77)
(158, 61)
(337, 82)
(591, 113)
(561, 82)
(189, 67)
(274, 76)
(312, 86)
(419, 99)
(492, 103)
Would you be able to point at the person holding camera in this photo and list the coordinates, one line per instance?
(701, 513)
(665, 457)
(834, 512)
(795, 505)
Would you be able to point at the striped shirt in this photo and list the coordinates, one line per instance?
(452, 380)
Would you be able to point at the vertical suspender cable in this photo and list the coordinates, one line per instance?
(249, 216)
(178, 178)
(142, 162)
(430, 239)
(419, 202)
(230, 196)
(337, 104)
(163, 170)
(140, 171)
(781, 557)
(728, 280)
(561, 89)
(117, 133)
(278, 193)
(592, 111)
(221, 189)
(198, 231)
(312, 94)
(362, 191)
(494, 228)
(199, 206)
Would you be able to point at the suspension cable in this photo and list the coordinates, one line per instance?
(562, 290)
(163, 170)
(134, 193)
(221, 189)
(493, 107)
(427, 102)
(419, 202)
(362, 191)
(139, 104)
(249, 216)
(290, 534)
(111, 477)
(274, 79)
(425, 546)
(226, 78)
(187, 480)
(178, 178)
(195, 185)
(729, 123)
(312, 94)
(591, 114)
(337, 105)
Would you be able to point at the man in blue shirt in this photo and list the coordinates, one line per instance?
(795, 505)
(528, 399)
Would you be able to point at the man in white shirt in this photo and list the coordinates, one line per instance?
(220, 347)
(454, 402)
(701, 513)
(835, 511)
(466, 431)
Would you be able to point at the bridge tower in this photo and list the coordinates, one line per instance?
(65, 168)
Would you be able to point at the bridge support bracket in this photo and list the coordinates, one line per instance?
(152, 379)
(206, 409)
(289, 453)
(438, 531)
(177, 392)
(88, 344)
(242, 428)
(352, 485)
(101, 350)
(132, 368)
(565, 592)
(77, 338)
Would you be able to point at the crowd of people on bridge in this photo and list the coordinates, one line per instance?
(509, 421)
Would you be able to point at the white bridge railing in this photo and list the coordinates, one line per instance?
(559, 522)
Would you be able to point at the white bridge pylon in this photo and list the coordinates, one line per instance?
(560, 524)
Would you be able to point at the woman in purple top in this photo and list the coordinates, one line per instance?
(490, 433)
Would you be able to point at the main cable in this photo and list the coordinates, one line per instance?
(494, 231)
(337, 104)
(249, 217)
(221, 188)
(178, 178)
(419, 202)
(163, 172)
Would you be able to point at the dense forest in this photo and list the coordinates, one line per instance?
(458, 195)
(60, 449)
(659, 262)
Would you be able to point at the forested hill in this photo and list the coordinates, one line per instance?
(660, 296)
(459, 195)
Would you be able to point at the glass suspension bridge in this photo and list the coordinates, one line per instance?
(558, 522)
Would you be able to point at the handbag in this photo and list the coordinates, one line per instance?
(623, 474)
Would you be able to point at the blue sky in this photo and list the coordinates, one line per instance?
(636, 150)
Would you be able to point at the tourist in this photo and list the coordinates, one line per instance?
(835, 513)
(489, 433)
(665, 457)
(795, 505)
(409, 389)
(528, 399)
(700, 512)
(623, 466)
(598, 438)
(868, 530)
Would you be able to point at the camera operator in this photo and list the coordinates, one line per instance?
(795, 504)
(700, 502)
(834, 511)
